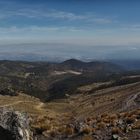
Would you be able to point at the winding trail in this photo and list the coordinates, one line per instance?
(130, 101)
(38, 107)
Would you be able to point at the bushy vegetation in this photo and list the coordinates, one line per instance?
(101, 126)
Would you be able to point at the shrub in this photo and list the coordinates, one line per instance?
(53, 133)
(104, 115)
(98, 119)
(61, 130)
(101, 125)
(113, 122)
(115, 130)
(138, 114)
(113, 117)
(106, 120)
(87, 130)
(124, 114)
(93, 130)
(69, 131)
(88, 119)
(130, 120)
(136, 125)
(40, 128)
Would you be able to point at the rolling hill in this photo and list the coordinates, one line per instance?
(73, 100)
(39, 79)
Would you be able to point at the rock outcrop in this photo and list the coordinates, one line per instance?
(14, 125)
(8, 91)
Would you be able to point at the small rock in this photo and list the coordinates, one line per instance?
(116, 137)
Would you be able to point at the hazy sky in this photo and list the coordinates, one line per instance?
(71, 23)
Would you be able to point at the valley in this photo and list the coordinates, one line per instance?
(73, 99)
(69, 69)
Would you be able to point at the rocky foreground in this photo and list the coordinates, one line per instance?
(119, 126)
(14, 125)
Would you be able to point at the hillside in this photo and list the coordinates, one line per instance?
(37, 78)
(73, 100)
(112, 110)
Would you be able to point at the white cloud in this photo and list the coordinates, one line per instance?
(41, 29)
(69, 35)
(54, 14)
(130, 27)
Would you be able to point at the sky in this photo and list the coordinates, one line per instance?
(71, 28)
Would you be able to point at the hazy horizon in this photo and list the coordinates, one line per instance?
(88, 29)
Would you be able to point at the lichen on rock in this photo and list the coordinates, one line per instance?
(14, 125)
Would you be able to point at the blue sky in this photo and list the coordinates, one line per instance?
(79, 24)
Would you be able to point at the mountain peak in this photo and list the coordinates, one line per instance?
(72, 61)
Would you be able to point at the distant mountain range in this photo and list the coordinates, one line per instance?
(58, 52)
(43, 79)
(128, 64)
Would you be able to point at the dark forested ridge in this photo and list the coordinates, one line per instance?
(54, 80)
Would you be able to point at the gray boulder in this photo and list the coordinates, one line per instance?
(14, 125)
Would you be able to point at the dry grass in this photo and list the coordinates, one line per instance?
(87, 138)
(22, 103)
